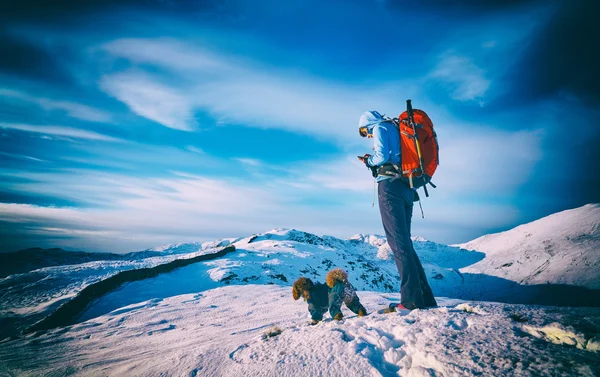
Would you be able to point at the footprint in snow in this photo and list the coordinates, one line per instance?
(170, 327)
(345, 336)
(458, 324)
(235, 354)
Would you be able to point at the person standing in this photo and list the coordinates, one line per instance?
(396, 207)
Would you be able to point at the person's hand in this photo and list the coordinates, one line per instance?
(364, 158)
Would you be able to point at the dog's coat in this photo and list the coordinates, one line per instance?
(330, 296)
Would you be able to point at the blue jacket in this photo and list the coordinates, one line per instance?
(386, 140)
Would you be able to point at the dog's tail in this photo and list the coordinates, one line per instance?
(335, 275)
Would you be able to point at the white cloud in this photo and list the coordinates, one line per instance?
(167, 52)
(22, 157)
(332, 197)
(486, 161)
(467, 80)
(152, 100)
(169, 200)
(239, 91)
(60, 131)
(181, 207)
(346, 174)
(249, 161)
(74, 110)
(476, 159)
(197, 150)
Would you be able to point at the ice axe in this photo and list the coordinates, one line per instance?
(411, 121)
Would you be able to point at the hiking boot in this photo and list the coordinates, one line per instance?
(400, 307)
(394, 308)
(362, 312)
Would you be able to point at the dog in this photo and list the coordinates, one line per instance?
(329, 296)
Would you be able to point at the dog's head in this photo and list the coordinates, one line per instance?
(301, 288)
(335, 275)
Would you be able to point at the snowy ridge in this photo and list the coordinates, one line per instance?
(278, 256)
(26, 298)
(563, 248)
(67, 313)
(189, 247)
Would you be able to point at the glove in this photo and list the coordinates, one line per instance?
(373, 169)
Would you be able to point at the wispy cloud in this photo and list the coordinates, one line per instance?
(183, 205)
(475, 158)
(21, 157)
(345, 174)
(486, 161)
(332, 196)
(171, 186)
(60, 131)
(197, 150)
(173, 53)
(249, 161)
(237, 91)
(466, 80)
(152, 100)
(73, 109)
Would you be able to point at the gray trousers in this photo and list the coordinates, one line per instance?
(396, 206)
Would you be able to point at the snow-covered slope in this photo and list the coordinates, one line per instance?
(28, 297)
(209, 318)
(279, 257)
(563, 248)
(225, 332)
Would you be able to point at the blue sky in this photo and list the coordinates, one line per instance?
(124, 125)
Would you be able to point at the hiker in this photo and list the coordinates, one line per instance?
(396, 206)
(329, 296)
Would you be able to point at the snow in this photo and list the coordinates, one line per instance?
(222, 332)
(192, 247)
(28, 297)
(559, 334)
(270, 258)
(561, 249)
(213, 318)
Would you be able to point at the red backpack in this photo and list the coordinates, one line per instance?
(420, 154)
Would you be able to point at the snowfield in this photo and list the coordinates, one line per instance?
(562, 248)
(223, 332)
(212, 317)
